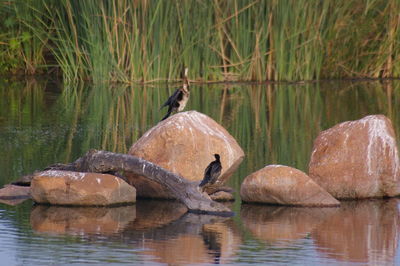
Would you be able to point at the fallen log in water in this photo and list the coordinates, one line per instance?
(185, 191)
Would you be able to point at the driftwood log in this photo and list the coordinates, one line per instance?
(185, 191)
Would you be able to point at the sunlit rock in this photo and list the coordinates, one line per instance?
(75, 188)
(278, 184)
(366, 232)
(185, 144)
(280, 223)
(222, 196)
(357, 159)
(81, 220)
(12, 191)
(14, 195)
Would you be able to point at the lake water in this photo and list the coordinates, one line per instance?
(43, 122)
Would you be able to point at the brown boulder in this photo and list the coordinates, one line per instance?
(357, 159)
(74, 188)
(13, 191)
(14, 195)
(278, 184)
(185, 144)
(222, 196)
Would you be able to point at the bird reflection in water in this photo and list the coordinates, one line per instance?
(212, 241)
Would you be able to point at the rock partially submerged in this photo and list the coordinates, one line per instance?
(357, 159)
(13, 195)
(184, 144)
(278, 184)
(13, 191)
(75, 188)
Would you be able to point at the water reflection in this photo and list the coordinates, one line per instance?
(282, 224)
(162, 230)
(166, 232)
(193, 239)
(362, 231)
(81, 220)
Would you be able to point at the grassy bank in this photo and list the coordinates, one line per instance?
(129, 41)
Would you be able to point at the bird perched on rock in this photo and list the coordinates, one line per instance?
(177, 101)
(212, 172)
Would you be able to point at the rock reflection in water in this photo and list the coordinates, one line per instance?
(362, 231)
(81, 220)
(282, 224)
(190, 238)
(161, 230)
(156, 213)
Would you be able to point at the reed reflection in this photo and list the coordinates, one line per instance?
(362, 231)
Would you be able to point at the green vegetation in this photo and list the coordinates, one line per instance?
(130, 41)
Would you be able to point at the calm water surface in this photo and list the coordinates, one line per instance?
(42, 122)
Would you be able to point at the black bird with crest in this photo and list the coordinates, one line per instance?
(178, 100)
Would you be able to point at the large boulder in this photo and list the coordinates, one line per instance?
(184, 144)
(284, 185)
(357, 159)
(75, 188)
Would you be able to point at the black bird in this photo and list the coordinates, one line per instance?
(212, 172)
(177, 101)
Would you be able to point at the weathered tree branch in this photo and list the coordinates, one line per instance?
(185, 191)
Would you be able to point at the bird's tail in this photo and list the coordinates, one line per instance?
(203, 182)
(167, 115)
(165, 104)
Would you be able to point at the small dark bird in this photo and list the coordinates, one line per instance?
(177, 101)
(212, 172)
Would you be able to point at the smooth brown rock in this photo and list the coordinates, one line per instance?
(366, 232)
(184, 144)
(278, 184)
(75, 188)
(81, 220)
(357, 159)
(222, 196)
(282, 224)
(13, 192)
(14, 195)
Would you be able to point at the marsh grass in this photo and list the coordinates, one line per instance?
(147, 41)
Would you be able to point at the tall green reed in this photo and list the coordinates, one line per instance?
(145, 41)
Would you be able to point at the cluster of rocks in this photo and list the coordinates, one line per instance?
(353, 160)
